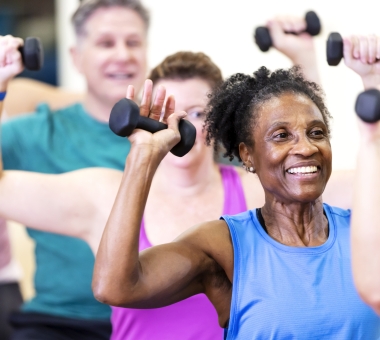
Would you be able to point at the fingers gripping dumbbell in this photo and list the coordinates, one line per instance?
(264, 40)
(367, 106)
(125, 117)
(32, 54)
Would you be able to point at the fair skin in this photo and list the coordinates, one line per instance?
(34, 92)
(365, 220)
(111, 54)
(290, 44)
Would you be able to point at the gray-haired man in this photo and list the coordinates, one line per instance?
(110, 52)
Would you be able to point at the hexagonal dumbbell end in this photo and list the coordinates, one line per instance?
(32, 54)
(367, 106)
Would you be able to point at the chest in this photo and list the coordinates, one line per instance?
(65, 147)
(168, 216)
(283, 295)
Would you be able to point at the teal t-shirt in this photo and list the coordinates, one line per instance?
(57, 142)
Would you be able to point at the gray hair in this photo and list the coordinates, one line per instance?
(88, 7)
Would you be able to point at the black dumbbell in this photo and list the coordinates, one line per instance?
(264, 41)
(125, 117)
(334, 49)
(367, 106)
(32, 54)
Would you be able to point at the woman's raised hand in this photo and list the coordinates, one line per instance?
(362, 55)
(162, 141)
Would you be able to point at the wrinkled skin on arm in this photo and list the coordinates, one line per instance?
(199, 261)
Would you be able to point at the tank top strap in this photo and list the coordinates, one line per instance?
(234, 199)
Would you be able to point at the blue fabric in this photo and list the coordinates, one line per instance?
(57, 142)
(282, 292)
(2, 95)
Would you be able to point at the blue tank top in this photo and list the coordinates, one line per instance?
(282, 292)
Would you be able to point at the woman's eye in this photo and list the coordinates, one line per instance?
(281, 135)
(317, 133)
(197, 115)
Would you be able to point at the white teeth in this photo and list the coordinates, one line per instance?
(303, 170)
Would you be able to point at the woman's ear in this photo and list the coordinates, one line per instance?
(246, 157)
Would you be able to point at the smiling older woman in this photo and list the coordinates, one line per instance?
(279, 272)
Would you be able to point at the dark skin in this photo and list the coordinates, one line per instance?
(201, 259)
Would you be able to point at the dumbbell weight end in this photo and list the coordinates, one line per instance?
(367, 106)
(32, 54)
(334, 49)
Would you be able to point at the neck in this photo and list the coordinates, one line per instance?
(97, 108)
(297, 224)
(188, 181)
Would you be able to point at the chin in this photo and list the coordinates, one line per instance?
(194, 157)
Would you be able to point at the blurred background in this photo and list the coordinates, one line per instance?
(221, 29)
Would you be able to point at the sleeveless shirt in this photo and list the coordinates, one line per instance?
(192, 319)
(303, 293)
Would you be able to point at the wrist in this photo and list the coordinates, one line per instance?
(3, 86)
(371, 81)
(143, 157)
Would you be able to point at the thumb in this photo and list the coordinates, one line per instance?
(173, 120)
(276, 31)
(348, 50)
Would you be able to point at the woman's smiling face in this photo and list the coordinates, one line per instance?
(291, 149)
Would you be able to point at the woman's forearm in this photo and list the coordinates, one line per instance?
(366, 223)
(117, 267)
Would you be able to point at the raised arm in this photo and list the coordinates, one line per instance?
(163, 274)
(362, 54)
(300, 49)
(34, 92)
(73, 203)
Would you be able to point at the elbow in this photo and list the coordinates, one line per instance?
(112, 294)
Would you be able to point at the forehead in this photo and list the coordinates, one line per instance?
(114, 21)
(189, 92)
(288, 108)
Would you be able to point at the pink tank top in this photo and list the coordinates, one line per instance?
(192, 319)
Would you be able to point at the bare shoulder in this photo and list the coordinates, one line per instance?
(253, 191)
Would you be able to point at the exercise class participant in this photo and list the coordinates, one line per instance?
(110, 51)
(365, 221)
(275, 272)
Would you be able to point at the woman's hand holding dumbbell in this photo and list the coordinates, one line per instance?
(362, 55)
(161, 142)
(10, 59)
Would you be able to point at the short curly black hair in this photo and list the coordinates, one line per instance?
(231, 113)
